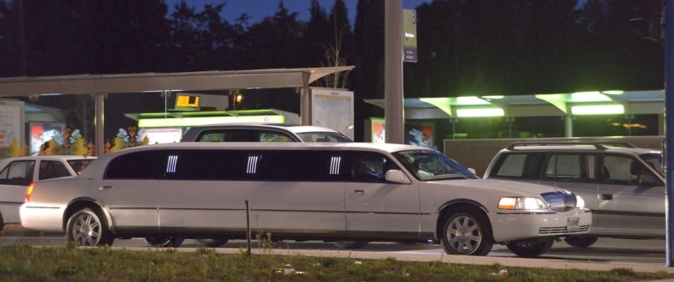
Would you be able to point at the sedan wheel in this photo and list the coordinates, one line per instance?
(165, 241)
(467, 232)
(530, 249)
(88, 228)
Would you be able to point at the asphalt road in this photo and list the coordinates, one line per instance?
(652, 252)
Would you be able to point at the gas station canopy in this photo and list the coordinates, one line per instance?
(157, 82)
(558, 104)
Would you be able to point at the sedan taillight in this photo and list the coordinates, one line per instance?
(29, 191)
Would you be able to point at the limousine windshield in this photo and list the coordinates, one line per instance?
(427, 165)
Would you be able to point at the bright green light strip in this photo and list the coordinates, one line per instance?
(470, 100)
(589, 97)
(597, 110)
(613, 92)
(195, 121)
(482, 112)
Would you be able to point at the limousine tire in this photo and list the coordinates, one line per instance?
(466, 231)
(581, 241)
(165, 241)
(212, 243)
(530, 249)
(88, 228)
(350, 245)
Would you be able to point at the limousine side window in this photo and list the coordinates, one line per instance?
(137, 165)
(370, 167)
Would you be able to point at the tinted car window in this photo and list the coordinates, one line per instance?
(52, 169)
(233, 165)
(137, 165)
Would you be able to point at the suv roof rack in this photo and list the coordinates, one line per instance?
(597, 145)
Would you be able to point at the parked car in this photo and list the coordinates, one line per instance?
(262, 133)
(301, 191)
(621, 184)
(20, 172)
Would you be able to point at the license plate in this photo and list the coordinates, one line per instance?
(572, 223)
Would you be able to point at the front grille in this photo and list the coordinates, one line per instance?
(560, 201)
(562, 230)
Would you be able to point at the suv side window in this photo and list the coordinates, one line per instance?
(524, 165)
(272, 136)
(627, 170)
(242, 135)
(570, 167)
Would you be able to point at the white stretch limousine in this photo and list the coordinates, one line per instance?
(355, 192)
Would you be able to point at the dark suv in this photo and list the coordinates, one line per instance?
(621, 184)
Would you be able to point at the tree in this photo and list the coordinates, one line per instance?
(275, 42)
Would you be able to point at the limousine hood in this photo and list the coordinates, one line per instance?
(510, 188)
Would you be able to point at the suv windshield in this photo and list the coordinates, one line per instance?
(332, 137)
(655, 161)
(431, 165)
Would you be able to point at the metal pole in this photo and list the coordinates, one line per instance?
(248, 228)
(305, 103)
(98, 122)
(669, 119)
(393, 71)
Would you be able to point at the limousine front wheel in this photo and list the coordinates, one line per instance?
(467, 231)
(88, 228)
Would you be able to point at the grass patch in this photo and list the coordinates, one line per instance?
(27, 263)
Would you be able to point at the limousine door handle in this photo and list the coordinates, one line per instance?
(359, 192)
(606, 197)
(106, 187)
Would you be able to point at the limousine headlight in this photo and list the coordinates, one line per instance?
(521, 203)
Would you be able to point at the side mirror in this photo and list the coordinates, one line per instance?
(397, 176)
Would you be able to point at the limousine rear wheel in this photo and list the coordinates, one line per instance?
(350, 245)
(212, 243)
(89, 228)
(165, 241)
(467, 231)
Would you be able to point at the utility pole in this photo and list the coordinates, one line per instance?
(393, 71)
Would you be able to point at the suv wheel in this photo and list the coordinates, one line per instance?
(581, 241)
(530, 249)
